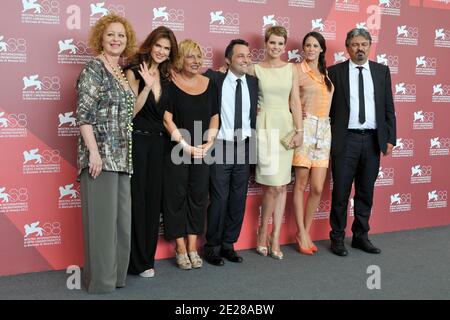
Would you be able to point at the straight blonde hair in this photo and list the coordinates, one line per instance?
(185, 47)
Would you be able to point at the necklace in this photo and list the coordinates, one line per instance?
(118, 73)
(129, 103)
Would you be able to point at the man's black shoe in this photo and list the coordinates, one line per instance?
(214, 259)
(365, 245)
(231, 255)
(338, 248)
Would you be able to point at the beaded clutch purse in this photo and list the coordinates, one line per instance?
(286, 140)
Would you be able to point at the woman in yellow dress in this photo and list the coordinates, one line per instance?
(279, 114)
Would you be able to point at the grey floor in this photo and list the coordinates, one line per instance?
(413, 265)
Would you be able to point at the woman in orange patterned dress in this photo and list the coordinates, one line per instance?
(312, 157)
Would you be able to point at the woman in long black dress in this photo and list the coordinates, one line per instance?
(148, 76)
(192, 110)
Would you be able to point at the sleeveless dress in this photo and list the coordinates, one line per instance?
(316, 101)
(273, 122)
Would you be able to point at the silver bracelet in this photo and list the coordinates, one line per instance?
(183, 143)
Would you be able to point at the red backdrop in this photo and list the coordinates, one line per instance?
(43, 46)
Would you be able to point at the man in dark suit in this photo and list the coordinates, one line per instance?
(362, 124)
(234, 150)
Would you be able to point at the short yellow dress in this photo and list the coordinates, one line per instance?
(273, 122)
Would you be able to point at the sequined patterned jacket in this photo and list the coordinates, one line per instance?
(103, 103)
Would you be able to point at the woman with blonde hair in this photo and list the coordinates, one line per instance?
(192, 120)
(279, 114)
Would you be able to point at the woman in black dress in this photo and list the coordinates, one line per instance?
(148, 75)
(192, 120)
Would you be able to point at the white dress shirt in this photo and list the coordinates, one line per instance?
(226, 131)
(369, 97)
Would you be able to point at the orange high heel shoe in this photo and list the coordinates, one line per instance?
(275, 254)
(303, 250)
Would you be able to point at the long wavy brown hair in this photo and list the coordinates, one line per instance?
(322, 62)
(144, 52)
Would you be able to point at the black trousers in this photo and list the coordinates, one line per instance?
(358, 162)
(185, 196)
(228, 194)
(146, 192)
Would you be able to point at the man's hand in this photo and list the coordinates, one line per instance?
(389, 149)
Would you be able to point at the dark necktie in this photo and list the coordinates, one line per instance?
(238, 109)
(362, 106)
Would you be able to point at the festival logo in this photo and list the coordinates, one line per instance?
(426, 66)
(441, 93)
(294, 56)
(323, 210)
(439, 146)
(72, 51)
(283, 219)
(274, 20)
(405, 92)
(46, 89)
(340, 57)
(40, 12)
(254, 189)
(390, 7)
(101, 9)
(98, 9)
(326, 27)
(13, 50)
(45, 234)
(13, 125)
(69, 196)
(423, 120)
(437, 199)
(392, 61)
(224, 22)
(403, 148)
(172, 18)
(13, 199)
(385, 177)
(302, 3)
(400, 202)
(258, 55)
(374, 33)
(46, 161)
(421, 174)
(67, 125)
(161, 225)
(351, 206)
(407, 35)
(347, 5)
(442, 38)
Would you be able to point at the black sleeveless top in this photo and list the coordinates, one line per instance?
(190, 110)
(150, 117)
